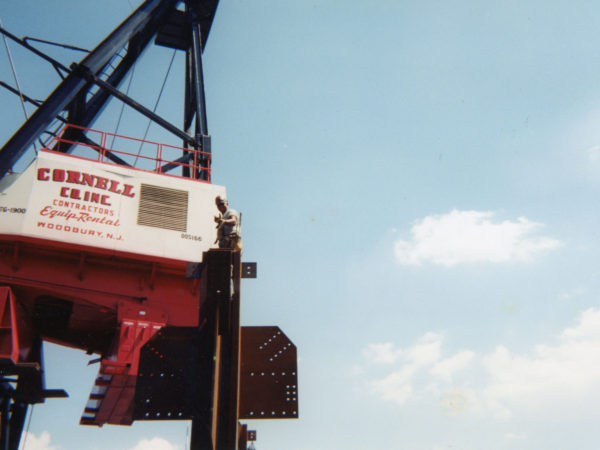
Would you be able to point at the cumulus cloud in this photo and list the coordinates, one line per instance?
(456, 400)
(565, 372)
(558, 376)
(156, 443)
(427, 350)
(397, 386)
(449, 366)
(588, 326)
(471, 237)
(382, 353)
(32, 442)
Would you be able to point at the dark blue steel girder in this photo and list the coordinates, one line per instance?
(135, 32)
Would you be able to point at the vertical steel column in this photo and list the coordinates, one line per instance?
(12, 418)
(4, 416)
(228, 426)
(202, 137)
(18, 412)
(202, 435)
(201, 123)
(242, 437)
(188, 112)
(216, 427)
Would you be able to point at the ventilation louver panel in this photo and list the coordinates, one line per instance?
(162, 207)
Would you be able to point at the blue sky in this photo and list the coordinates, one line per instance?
(418, 183)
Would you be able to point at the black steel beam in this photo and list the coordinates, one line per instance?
(204, 12)
(56, 44)
(20, 94)
(198, 81)
(5, 402)
(12, 418)
(188, 110)
(81, 137)
(228, 401)
(96, 104)
(200, 101)
(57, 65)
(135, 105)
(220, 316)
(18, 412)
(150, 12)
(173, 165)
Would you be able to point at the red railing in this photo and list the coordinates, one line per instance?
(137, 153)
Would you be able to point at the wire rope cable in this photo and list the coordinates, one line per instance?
(156, 104)
(14, 73)
(24, 441)
(122, 107)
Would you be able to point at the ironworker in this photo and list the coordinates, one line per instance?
(228, 226)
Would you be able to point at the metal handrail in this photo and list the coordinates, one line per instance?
(157, 160)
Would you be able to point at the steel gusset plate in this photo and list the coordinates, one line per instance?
(268, 375)
(172, 376)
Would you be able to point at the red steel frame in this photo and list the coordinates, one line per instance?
(134, 299)
(126, 295)
(9, 339)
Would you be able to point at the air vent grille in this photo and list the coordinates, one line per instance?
(162, 207)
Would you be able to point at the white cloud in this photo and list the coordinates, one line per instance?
(456, 400)
(470, 237)
(383, 353)
(594, 153)
(156, 443)
(563, 375)
(588, 326)
(397, 386)
(31, 442)
(567, 372)
(447, 367)
(427, 350)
